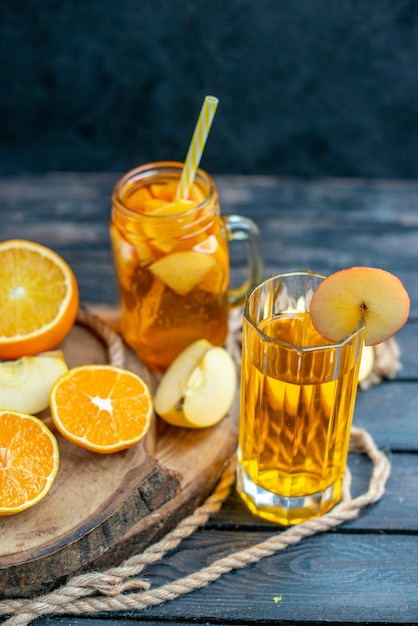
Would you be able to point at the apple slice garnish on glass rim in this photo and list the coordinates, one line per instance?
(345, 296)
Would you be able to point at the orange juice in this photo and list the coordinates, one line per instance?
(172, 262)
(297, 400)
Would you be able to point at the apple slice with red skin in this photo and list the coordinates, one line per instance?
(343, 297)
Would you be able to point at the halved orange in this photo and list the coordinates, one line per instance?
(29, 460)
(101, 407)
(38, 299)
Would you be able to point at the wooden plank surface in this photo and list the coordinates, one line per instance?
(364, 571)
(322, 224)
(346, 578)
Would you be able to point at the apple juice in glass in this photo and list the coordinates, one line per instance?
(297, 400)
(172, 261)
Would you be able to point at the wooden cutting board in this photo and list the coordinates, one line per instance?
(105, 508)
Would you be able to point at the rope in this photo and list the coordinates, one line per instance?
(110, 587)
(112, 341)
(121, 588)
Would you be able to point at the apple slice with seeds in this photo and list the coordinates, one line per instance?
(198, 388)
(341, 299)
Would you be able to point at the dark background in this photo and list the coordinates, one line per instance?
(306, 87)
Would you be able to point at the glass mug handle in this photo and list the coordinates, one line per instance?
(240, 228)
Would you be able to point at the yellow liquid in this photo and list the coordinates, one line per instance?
(295, 420)
(157, 321)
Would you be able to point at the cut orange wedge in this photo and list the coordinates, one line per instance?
(166, 191)
(38, 299)
(29, 460)
(135, 201)
(101, 407)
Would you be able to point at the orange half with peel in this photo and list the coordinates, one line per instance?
(101, 407)
(29, 460)
(38, 299)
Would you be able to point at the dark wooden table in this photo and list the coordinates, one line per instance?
(363, 572)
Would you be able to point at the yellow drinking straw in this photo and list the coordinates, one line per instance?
(196, 147)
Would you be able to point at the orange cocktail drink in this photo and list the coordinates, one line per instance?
(297, 400)
(172, 262)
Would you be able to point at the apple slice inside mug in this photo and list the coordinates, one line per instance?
(181, 271)
(198, 388)
(343, 297)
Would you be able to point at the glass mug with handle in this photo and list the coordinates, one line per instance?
(297, 400)
(172, 261)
